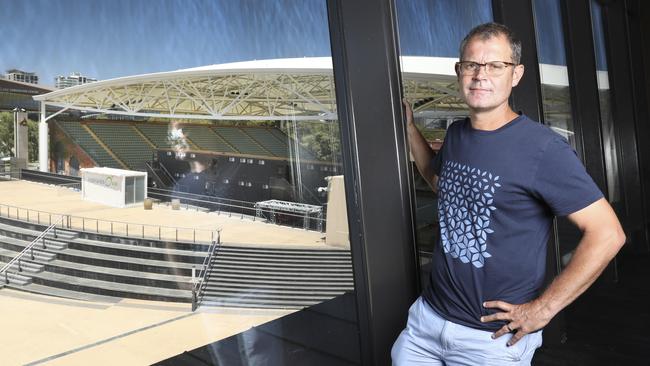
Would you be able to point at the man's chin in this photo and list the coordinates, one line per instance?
(479, 107)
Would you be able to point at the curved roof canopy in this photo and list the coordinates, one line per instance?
(278, 89)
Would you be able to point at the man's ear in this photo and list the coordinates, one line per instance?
(517, 74)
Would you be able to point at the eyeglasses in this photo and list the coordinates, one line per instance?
(492, 68)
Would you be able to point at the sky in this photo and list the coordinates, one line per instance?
(106, 39)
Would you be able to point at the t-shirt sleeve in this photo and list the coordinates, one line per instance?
(562, 181)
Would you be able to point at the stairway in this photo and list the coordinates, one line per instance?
(276, 278)
(21, 273)
(105, 268)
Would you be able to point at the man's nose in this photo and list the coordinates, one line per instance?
(481, 73)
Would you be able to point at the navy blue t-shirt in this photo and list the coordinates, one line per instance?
(498, 192)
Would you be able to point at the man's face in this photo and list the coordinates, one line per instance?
(483, 92)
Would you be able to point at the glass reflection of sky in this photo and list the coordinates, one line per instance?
(107, 39)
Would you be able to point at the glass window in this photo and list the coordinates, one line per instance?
(430, 33)
(611, 152)
(228, 107)
(556, 95)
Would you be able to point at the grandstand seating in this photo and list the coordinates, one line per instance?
(88, 144)
(304, 153)
(206, 139)
(241, 141)
(264, 137)
(126, 143)
(156, 133)
(105, 268)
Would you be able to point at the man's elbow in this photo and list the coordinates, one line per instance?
(620, 238)
(615, 237)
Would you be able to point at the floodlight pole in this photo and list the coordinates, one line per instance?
(43, 152)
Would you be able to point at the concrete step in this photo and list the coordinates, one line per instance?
(244, 302)
(262, 298)
(134, 251)
(129, 250)
(134, 264)
(119, 275)
(42, 255)
(276, 291)
(16, 279)
(111, 289)
(62, 234)
(63, 293)
(268, 252)
(12, 247)
(25, 265)
(301, 272)
(55, 244)
(283, 281)
(284, 261)
(16, 228)
(263, 267)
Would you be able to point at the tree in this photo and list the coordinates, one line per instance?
(7, 136)
(323, 139)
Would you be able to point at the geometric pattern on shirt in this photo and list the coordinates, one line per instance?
(465, 205)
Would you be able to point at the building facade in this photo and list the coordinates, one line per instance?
(22, 76)
(74, 79)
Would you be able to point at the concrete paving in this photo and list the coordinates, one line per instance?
(43, 330)
(46, 330)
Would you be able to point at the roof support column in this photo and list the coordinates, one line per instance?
(43, 153)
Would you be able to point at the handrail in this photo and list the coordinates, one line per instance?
(171, 192)
(164, 169)
(152, 171)
(53, 176)
(110, 227)
(12, 174)
(30, 248)
(199, 286)
(234, 207)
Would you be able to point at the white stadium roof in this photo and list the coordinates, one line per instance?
(278, 89)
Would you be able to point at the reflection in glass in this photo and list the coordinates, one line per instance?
(430, 33)
(234, 122)
(556, 95)
(607, 119)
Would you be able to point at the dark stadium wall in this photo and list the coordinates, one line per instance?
(224, 175)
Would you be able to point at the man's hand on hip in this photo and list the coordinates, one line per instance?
(522, 319)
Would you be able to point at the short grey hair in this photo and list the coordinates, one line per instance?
(490, 30)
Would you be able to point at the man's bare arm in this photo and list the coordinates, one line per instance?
(602, 239)
(420, 149)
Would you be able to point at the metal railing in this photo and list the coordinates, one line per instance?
(29, 249)
(169, 175)
(46, 177)
(6, 173)
(231, 207)
(152, 172)
(199, 286)
(111, 227)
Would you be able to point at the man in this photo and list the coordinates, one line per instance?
(500, 179)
